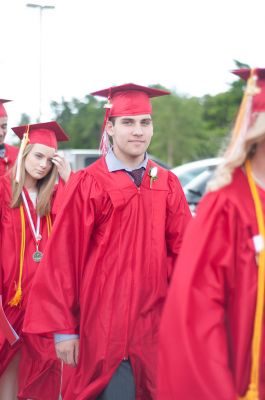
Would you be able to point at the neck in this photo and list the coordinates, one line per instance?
(30, 183)
(258, 167)
(128, 161)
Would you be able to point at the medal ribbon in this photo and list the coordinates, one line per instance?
(35, 232)
(16, 299)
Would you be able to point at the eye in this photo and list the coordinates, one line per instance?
(127, 122)
(146, 122)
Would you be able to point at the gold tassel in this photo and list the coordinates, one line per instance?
(17, 298)
(252, 393)
(242, 113)
(23, 144)
(253, 388)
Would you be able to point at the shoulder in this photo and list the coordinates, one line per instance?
(165, 177)
(11, 149)
(88, 181)
(233, 199)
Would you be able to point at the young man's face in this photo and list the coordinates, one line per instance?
(131, 136)
(3, 129)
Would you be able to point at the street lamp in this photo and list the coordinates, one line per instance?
(41, 9)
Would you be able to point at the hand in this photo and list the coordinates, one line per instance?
(68, 351)
(62, 165)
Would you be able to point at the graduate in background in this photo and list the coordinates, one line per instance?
(27, 209)
(110, 259)
(212, 329)
(8, 153)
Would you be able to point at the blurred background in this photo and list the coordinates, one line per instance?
(54, 53)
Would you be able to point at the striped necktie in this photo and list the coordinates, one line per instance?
(137, 175)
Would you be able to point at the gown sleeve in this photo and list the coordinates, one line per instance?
(1, 206)
(54, 300)
(193, 354)
(178, 217)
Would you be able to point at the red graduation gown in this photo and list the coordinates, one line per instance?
(39, 377)
(9, 160)
(207, 324)
(110, 260)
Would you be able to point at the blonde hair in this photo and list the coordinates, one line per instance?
(235, 156)
(45, 186)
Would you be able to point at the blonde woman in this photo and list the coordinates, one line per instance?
(27, 208)
(212, 331)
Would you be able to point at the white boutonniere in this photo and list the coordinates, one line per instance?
(258, 243)
(153, 175)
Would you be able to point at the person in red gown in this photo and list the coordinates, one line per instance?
(110, 259)
(28, 199)
(212, 329)
(8, 153)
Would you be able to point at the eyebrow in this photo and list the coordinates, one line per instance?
(132, 119)
(43, 155)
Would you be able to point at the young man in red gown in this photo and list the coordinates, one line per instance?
(106, 271)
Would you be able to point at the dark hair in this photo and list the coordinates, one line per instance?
(112, 120)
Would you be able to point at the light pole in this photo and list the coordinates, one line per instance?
(41, 9)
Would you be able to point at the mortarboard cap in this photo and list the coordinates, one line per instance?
(256, 88)
(126, 100)
(250, 122)
(47, 133)
(2, 108)
(129, 99)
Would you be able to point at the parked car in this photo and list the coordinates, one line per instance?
(194, 177)
(81, 158)
(186, 172)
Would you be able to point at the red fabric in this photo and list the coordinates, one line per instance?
(9, 160)
(110, 260)
(47, 133)
(39, 371)
(207, 324)
(130, 103)
(2, 110)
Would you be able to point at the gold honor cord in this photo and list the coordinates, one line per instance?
(16, 300)
(253, 388)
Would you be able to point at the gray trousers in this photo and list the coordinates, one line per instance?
(121, 385)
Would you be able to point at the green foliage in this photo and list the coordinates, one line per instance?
(185, 128)
(24, 119)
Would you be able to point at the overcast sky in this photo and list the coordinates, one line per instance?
(187, 45)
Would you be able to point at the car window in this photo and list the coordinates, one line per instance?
(187, 176)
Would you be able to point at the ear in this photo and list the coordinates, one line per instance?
(109, 128)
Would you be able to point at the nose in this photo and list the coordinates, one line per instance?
(138, 130)
(43, 163)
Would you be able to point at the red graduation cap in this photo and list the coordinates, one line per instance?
(47, 133)
(257, 88)
(2, 108)
(250, 121)
(126, 100)
(129, 99)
